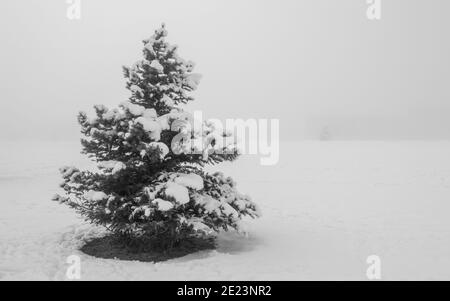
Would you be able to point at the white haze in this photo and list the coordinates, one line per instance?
(309, 63)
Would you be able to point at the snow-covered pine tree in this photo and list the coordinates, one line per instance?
(148, 184)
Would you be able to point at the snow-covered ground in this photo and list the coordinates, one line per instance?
(326, 207)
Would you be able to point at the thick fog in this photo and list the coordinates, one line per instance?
(311, 64)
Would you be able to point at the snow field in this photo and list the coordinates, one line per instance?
(326, 207)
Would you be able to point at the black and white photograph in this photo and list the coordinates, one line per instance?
(225, 141)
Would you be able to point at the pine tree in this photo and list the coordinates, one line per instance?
(150, 181)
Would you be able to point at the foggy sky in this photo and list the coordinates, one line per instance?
(309, 63)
